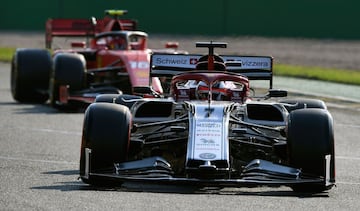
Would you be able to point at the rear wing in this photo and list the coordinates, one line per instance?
(253, 67)
(84, 27)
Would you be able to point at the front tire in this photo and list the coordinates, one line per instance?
(106, 133)
(310, 138)
(69, 70)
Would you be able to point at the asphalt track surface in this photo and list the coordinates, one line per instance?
(39, 149)
(39, 159)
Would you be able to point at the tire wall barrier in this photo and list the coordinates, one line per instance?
(330, 19)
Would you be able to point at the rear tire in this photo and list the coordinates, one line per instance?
(310, 138)
(69, 69)
(30, 72)
(106, 132)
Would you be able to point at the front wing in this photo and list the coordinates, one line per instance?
(257, 173)
(208, 182)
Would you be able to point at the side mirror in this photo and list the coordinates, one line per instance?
(93, 21)
(146, 91)
(277, 93)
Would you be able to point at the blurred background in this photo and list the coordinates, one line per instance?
(330, 19)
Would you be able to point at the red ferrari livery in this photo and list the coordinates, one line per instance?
(113, 59)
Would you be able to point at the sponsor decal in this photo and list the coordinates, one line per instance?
(193, 61)
(169, 61)
(207, 156)
(207, 141)
(255, 64)
(250, 62)
(208, 125)
(139, 65)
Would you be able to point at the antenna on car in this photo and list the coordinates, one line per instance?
(211, 45)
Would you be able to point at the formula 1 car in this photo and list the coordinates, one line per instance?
(210, 131)
(87, 27)
(114, 59)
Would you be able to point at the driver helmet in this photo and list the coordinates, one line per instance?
(117, 43)
(219, 91)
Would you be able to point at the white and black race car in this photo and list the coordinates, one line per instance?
(209, 130)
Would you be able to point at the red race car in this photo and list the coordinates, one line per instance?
(212, 131)
(114, 58)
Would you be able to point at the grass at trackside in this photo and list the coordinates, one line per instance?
(318, 73)
(6, 54)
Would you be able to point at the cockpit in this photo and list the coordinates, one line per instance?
(121, 40)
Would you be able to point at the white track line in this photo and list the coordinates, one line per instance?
(55, 131)
(38, 160)
(347, 158)
(46, 130)
(347, 125)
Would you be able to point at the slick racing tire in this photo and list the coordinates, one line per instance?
(295, 104)
(69, 69)
(30, 72)
(106, 133)
(310, 138)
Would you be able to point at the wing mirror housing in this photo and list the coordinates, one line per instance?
(146, 91)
